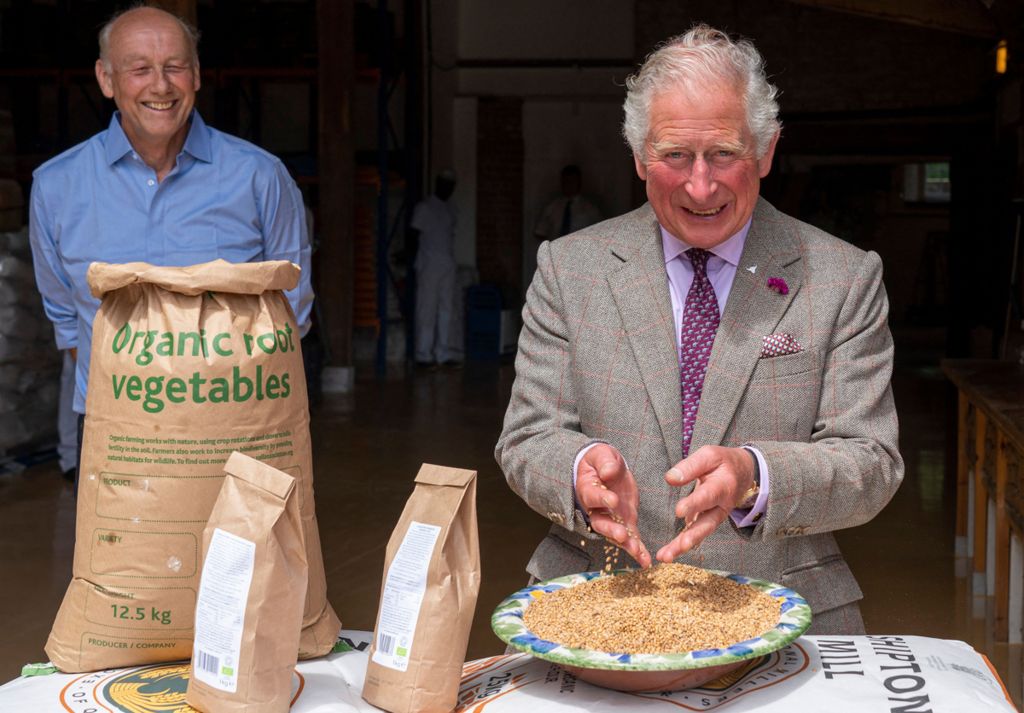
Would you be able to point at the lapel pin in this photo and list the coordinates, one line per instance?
(752, 269)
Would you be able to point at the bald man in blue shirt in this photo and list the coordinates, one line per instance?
(158, 185)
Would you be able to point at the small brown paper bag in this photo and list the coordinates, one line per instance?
(428, 596)
(251, 594)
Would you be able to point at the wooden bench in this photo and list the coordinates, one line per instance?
(990, 484)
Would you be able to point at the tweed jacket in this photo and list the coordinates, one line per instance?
(597, 360)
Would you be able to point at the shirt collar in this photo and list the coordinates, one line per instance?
(117, 144)
(730, 251)
(197, 142)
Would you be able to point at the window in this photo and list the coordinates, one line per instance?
(926, 182)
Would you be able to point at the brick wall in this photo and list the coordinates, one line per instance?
(499, 217)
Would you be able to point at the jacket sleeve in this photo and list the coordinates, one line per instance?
(541, 434)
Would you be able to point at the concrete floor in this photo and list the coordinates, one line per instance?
(369, 445)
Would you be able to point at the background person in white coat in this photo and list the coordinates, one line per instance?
(434, 220)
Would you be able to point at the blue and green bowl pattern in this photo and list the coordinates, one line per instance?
(507, 622)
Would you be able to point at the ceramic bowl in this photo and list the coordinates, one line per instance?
(648, 672)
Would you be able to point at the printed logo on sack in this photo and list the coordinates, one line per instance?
(756, 674)
(489, 685)
(151, 689)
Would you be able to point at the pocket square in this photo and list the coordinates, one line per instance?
(774, 345)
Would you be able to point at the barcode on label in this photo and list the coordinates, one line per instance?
(208, 662)
(386, 643)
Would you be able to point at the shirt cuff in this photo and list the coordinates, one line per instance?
(749, 518)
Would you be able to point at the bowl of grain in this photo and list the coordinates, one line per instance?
(666, 628)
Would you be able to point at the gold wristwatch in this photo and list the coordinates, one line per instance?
(750, 497)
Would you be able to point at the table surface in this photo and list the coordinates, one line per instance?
(841, 674)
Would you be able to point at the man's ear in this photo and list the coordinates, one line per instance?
(196, 82)
(104, 80)
(764, 164)
(641, 169)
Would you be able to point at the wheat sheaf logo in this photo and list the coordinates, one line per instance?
(151, 689)
(160, 689)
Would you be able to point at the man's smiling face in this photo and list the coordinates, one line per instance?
(151, 74)
(700, 164)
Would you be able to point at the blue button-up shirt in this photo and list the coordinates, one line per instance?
(224, 198)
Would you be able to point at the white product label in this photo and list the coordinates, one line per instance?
(403, 595)
(220, 610)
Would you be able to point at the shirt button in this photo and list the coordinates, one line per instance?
(150, 182)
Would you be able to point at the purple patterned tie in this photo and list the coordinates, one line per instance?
(700, 322)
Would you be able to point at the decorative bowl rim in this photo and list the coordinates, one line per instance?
(508, 624)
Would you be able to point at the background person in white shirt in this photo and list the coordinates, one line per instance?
(434, 220)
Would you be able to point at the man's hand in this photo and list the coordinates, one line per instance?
(723, 476)
(74, 353)
(607, 491)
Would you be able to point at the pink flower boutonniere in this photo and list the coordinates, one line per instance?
(779, 285)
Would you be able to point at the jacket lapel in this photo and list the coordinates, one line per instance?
(641, 294)
(753, 311)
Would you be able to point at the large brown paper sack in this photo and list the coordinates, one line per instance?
(188, 365)
(253, 585)
(431, 581)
